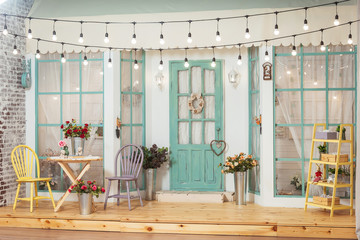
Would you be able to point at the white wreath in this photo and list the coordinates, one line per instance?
(196, 97)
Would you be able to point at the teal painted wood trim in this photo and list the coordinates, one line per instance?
(274, 121)
(69, 93)
(313, 89)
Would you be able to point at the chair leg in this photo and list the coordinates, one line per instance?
(50, 193)
(119, 192)
(36, 194)
(138, 190)
(31, 196)
(107, 194)
(128, 194)
(17, 195)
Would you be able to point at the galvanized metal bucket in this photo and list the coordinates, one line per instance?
(149, 181)
(85, 203)
(240, 179)
(77, 142)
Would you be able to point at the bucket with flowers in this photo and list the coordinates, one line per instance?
(78, 134)
(85, 193)
(239, 165)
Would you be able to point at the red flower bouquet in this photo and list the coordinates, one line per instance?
(71, 129)
(91, 188)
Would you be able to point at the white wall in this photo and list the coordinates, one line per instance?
(235, 104)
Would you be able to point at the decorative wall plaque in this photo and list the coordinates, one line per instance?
(267, 71)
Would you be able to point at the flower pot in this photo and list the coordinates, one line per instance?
(77, 142)
(85, 203)
(343, 136)
(149, 181)
(240, 179)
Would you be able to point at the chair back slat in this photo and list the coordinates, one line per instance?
(131, 158)
(22, 158)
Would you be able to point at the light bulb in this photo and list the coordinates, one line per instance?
(161, 65)
(106, 39)
(133, 40)
(5, 31)
(306, 26)
(336, 21)
(239, 61)
(81, 38)
(267, 58)
(37, 55)
(247, 33)
(85, 61)
(29, 34)
(293, 52)
(109, 63)
(218, 38)
(276, 30)
(322, 47)
(63, 59)
(186, 63)
(213, 63)
(189, 39)
(350, 41)
(54, 37)
(15, 51)
(136, 65)
(162, 41)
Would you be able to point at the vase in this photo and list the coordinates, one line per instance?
(77, 142)
(149, 181)
(343, 136)
(85, 203)
(240, 179)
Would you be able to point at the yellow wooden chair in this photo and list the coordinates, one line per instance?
(23, 158)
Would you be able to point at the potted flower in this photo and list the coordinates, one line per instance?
(154, 157)
(343, 137)
(64, 148)
(239, 165)
(85, 193)
(78, 135)
(322, 149)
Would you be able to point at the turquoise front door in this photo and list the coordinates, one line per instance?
(193, 165)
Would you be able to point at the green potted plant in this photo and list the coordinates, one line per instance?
(343, 132)
(322, 149)
(154, 157)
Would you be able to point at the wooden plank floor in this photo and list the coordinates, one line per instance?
(186, 218)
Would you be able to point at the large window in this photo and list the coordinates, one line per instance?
(312, 87)
(254, 113)
(66, 91)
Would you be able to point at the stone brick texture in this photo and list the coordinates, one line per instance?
(12, 94)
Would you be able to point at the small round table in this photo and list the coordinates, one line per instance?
(64, 164)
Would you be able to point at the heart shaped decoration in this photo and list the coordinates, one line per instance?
(220, 144)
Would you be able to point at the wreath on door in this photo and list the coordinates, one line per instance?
(196, 98)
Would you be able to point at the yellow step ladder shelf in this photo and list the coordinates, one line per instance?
(334, 203)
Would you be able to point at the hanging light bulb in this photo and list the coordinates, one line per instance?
(54, 37)
(322, 46)
(186, 62)
(218, 37)
(293, 52)
(63, 59)
(29, 36)
(306, 26)
(15, 51)
(213, 61)
(189, 39)
(109, 61)
(276, 30)
(133, 40)
(266, 58)
(37, 55)
(85, 62)
(81, 38)
(239, 61)
(5, 31)
(161, 65)
(136, 65)
(162, 41)
(350, 41)
(336, 21)
(106, 39)
(247, 32)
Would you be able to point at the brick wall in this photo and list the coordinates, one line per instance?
(12, 95)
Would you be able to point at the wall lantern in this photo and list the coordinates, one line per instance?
(159, 79)
(233, 77)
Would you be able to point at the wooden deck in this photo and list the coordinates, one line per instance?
(186, 218)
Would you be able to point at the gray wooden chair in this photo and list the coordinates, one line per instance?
(131, 158)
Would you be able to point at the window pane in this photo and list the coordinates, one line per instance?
(341, 71)
(183, 84)
(287, 72)
(209, 107)
(71, 77)
(48, 138)
(209, 81)
(49, 77)
(137, 109)
(137, 79)
(196, 80)
(125, 108)
(196, 132)
(92, 108)
(49, 109)
(183, 109)
(314, 107)
(314, 74)
(137, 134)
(183, 133)
(50, 170)
(71, 107)
(288, 142)
(125, 135)
(125, 76)
(289, 178)
(288, 107)
(341, 106)
(92, 77)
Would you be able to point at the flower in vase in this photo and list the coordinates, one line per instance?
(83, 187)
(62, 143)
(103, 190)
(89, 182)
(94, 188)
